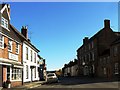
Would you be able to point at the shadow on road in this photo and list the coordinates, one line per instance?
(84, 80)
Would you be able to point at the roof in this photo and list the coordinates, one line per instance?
(11, 34)
(116, 41)
(23, 38)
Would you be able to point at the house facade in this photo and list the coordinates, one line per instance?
(70, 69)
(91, 52)
(30, 60)
(18, 56)
(10, 50)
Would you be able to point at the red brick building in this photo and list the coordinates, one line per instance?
(10, 50)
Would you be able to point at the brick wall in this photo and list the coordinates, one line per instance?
(16, 83)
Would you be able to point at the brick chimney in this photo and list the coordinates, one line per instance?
(24, 31)
(106, 23)
(85, 40)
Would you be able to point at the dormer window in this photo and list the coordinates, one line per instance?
(4, 23)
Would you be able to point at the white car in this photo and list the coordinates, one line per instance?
(51, 77)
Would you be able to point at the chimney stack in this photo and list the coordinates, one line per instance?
(85, 40)
(24, 31)
(107, 23)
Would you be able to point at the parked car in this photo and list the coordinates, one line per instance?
(51, 77)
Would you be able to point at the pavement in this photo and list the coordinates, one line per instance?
(27, 85)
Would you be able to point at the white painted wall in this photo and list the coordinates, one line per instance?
(29, 63)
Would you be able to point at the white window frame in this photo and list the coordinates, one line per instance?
(4, 23)
(104, 71)
(27, 72)
(2, 41)
(31, 55)
(17, 72)
(116, 68)
(35, 73)
(35, 58)
(10, 43)
(17, 48)
(26, 53)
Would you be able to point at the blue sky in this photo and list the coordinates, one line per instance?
(59, 28)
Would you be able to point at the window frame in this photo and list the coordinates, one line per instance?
(116, 68)
(31, 52)
(34, 57)
(26, 53)
(16, 74)
(2, 41)
(9, 45)
(17, 48)
(4, 23)
(27, 72)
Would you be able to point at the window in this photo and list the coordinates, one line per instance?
(16, 74)
(35, 57)
(26, 53)
(116, 68)
(31, 55)
(17, 48)
(4, 23)
(8, 73)
(89, 46)
(92, 44)
(93, 56)
(9, 45)
(26, 71)
(115, 51)
(1, 41)
(35, 71)
(104, 70)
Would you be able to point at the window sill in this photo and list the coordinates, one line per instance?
(1, 47)
(5, 27)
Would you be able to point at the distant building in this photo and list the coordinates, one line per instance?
(42, 68)
(95, 49)
(70, 69)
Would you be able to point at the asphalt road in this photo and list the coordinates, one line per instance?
(82, 82)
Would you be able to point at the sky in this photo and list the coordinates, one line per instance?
(57, 29)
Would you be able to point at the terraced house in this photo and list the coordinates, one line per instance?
(10, 50)
(18, 56)
(94, 56)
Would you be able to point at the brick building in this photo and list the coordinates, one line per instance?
(110, 60)
(10, 50)
(98, 46)
(18, 56)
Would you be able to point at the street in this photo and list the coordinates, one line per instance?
(81, 82)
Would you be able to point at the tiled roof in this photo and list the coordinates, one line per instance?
(23, 38)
